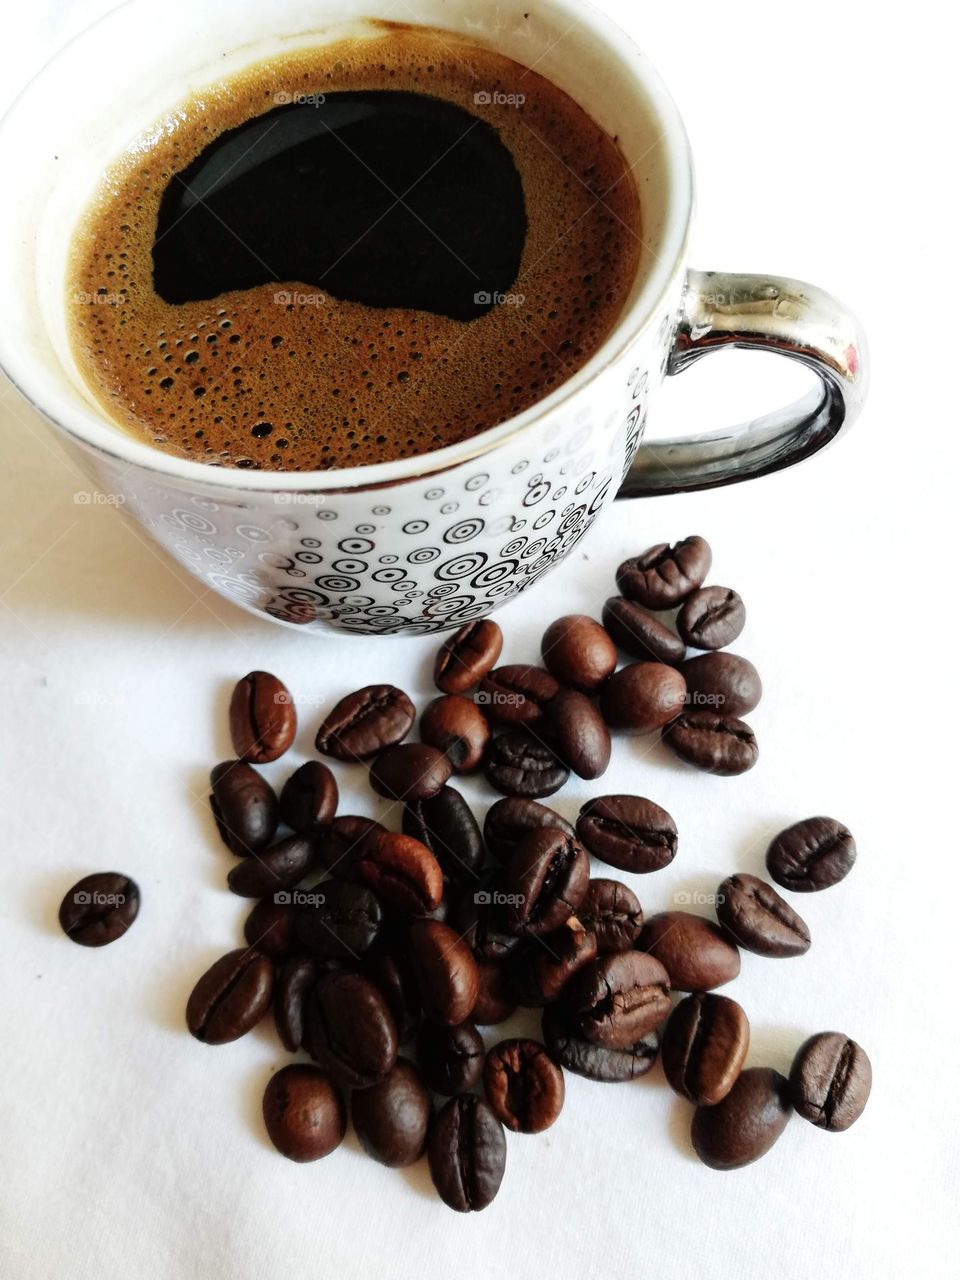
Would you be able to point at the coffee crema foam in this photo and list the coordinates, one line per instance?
(286, 377)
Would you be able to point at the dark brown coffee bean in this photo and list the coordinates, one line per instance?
(231, 997)
(451, 1058)
(509, 820)
(340, 846)
(269, 927)
(244, 807)
(390, 970)
(303, 1113)
(540, 973)
(594, 1061)
(365, 722)
(745, 1124)
(495, 999)
(445, 824)
(704, 1046)
(523, 1085)
(447, 976)
(309, 798)
(295, 978)
(643, 697)
(263, 719)
(402, 872)
(476, 914)
(717, 744)
(813, 854)
(99, 909)
(694, 951)
(711, 618)
(392, 1118)
(757, 918)
(467, 656)
(613, 913)
(281, 866)
(617, 999)
(520, 765)
(413, 771)
(350, 1030)
(663, 575)
(545, 881)
(722, 682)
(457, 727)
(338, 920)
(628, 832)
(640, 634)
(467, 1153)
(516, 694)
(578, 651)
(577, 733)
(830, 1081)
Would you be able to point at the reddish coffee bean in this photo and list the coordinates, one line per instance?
(723, 683)
(545, 881)
(628, 832)
(495, 999)
(295, 978)
(281, 866)
(365, 722)
(402, 872)
(99, 909)
(303, 1113)
(746, 1123)
(715, 743)
(510, 819)
(663, 576)
(830, 1081)
(711, 618)
(392, 1117)
(643, 697)
(231, 997)
(457, 727)
(617, 999)
(467, 656)
(577, 733)
(523, 1086)
(694, 951)
(516, 694)
(447, 975)
(578, 651)
(413, 771)
(704, 1044)
(612, 913)
(640, 634)
(244, 807)
(263, 719)
(308, 801)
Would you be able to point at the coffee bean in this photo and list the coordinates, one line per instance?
(467, 656)
(640, 634)
(244, 807)
(643, 697)
(99, 909)
(402, 872)
(628, 832)
(545, 881)
(578, 651)
(618, 998)
(813, 854)
(303, 1113)
(830, 1081)
(281, 866)
(613, 913)
(663, 575)
(350, 1030)
(269, 928)
(365, 722)
(457, 727)
(722, 682)
(745, 1124)
(704, 1046)
(413, 771)
(294, 980)
(523, 1085)
(516, 694)
(520, 765)
(495, 1000)
(309, 798)
(447, 976)
(694, 951)
(476, 914)
(263, 719)
(715, 743)
(509, 820)
(446, 825)
(340, 921)
(594, 1061)
(451, 1058)
(340, 846)
(577, 733)
(711, 618)
(392, 1118)
(390, 970)
(757, 918)
(540, 973)
(231, 997)
(467, 1153)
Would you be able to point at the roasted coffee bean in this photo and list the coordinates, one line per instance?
(704, 1046)
(309, 798)
(578, 651)
(643, 697)
(715, 743)
(509, 820)
(813, 854)
(722, 682)
(628, 832)
(447, 975)
(340, 846)
(269, 927)
(390, 970)
(392, 1117)
(263, 719)
(99, 909)
(495, 1000)
(350, 1030)
(281, 866)
(467, 656)
(520, 765)
(365, 722)
(516, 694)
(745, 1124)
(303, 1113)
(451, 1058)
(523, 1085)
(467, 1153)
(402, 872)
(545, 881)
(612, 912)
(295, 978)
(244, 807)
(640, 634)
(540, 973)
(577, 733)
(617, 999)
(830, 1081)
(594, 1061)
(446, 825)
(413, 771)
(231, 997)
(756, 917)
(711, 618)
(694, 951)
(476, 914)
(457, 727)
(338, 920)
(663, 575)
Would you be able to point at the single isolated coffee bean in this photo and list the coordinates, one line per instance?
(539, 973)
(516, 694)
(495, 1001)
(340, 846)
(467, 1153)
(618, 998)
(451, 1058)
(813, 854)
(711, 618)
(412, 771)
(523, 1085)
(281, 866)
(303, 1113)
(640, 634)
(612, 912)
(388, 967)
(722, 682)
(231, 997)
(595, 1061)
(577, 733)
(545, 881)
(392, 1117)
(704, 1044)
(830, 1081)
(643, 697)
(350, 1031)
(365, 722)
(715, 743)
(402, 872)
(446, 972)
(745, 1124)
(578, 651)
(244, 807)
(628, 832)
(446, 825)
(521, 765)
(510, 819)
(338, 920)
(263, 719)
(757, 918)
(457, 727)
(99, 909)
(467, 656)
(695, 952)
(308, 801)
(294, 979)
(663, 576)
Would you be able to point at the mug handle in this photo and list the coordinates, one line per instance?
(761, 313)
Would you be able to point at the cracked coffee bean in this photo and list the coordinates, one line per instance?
(612, 912)
(538, 974)
(544, 883)
(578, 651)
(694, 951)
(722, 682)
(457, 727)
(757, 918)
(617, 999)
(628, 832)
(365, 722)
(643, 697)
(510, 819)
(705, 1042)
(516, 694)
(339, 921)
(640, 634)
(811, 855)
(392, 1117)
(446, 972)
(231, 997)
(715, 743)
(350, 1031)
(244, 807)
(467, 656)
(446, 825)
(746, 1123)
(663, 576)
(711, 618)
(263, 719)
(99, 909)
(281, 866)
(402, 872)
(451, 1058)
(830, 1081)
(594, 1061)
(308, 801)
(523, 1085)
(467, 1153)
(577, 733)
(413, 771)
(295, 978)
(520, 765)
(303, 1113)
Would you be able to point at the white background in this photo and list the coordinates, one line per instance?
(826, 149)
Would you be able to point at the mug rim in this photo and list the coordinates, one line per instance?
(86, 426)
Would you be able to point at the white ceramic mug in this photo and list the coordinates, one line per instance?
(426, 543)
